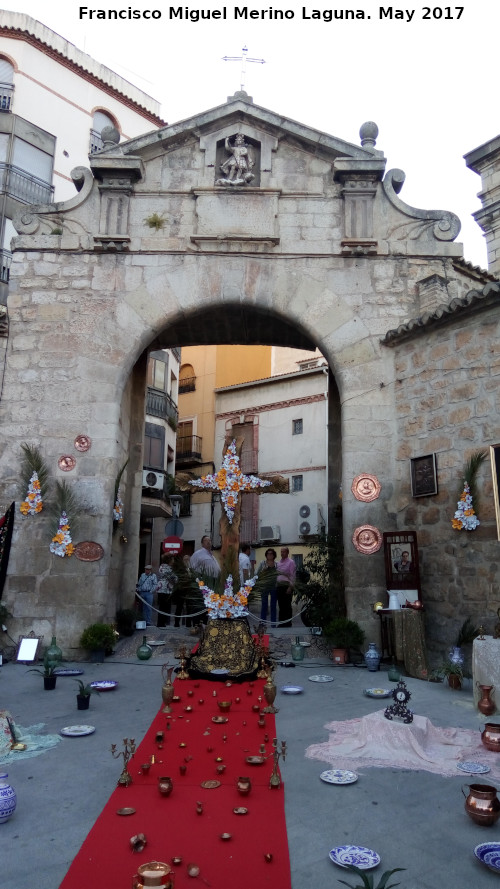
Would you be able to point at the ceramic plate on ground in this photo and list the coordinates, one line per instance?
(321, 678)
(61, 672)
(360, 856)
(377, 692)
(75, 731)
(291, 689)
(104, 685)
(338, 776)
(489, 854)
(153, 642)
(473, 768)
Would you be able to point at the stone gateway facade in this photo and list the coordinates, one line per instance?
(240, 226)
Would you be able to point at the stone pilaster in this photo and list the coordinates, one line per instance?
(116, 175)
(485, 161)
(359, 186)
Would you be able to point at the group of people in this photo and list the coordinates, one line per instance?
(275, 582)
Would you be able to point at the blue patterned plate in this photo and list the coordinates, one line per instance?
(360, 856)
(291, 689)
(377, 692)
(473, 768)
(62, 672)
(338, 776)
(104, 685)
(489, 854)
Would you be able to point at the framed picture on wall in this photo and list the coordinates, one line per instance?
(402, 574)
(495, 472)
(423, 476)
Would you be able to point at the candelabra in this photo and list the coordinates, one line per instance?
(182, 674)
(128, 751)
(275, 779)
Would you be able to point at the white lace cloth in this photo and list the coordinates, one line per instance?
(375, 741)
(36, 742)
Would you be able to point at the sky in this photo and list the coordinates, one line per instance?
(427, 76)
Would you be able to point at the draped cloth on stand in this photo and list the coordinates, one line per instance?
(376, 741)
(6, 529)
(172, 825)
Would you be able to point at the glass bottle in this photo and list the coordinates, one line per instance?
(53, 655)
(144, 651)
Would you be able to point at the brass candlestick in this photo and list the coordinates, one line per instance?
(275, 779)
(167, 691)
(182, 674)
(128, 751)
(270, 694)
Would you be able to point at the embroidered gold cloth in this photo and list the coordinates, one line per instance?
(227, 644)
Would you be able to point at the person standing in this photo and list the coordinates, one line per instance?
(203, 559)
(167, 578)
(245, 564)
(266, 579)
(284, 586)
(146, 586)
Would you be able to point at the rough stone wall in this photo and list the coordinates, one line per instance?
(447, 400)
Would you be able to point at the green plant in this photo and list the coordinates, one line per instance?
(125, 621)
(156, 221)
(98, 636)
(320, 583)
(344, 633)
(56, 231)
(32, 461)
(4, 613)
(467, 633)
(86, 690)
(48, 670)
(367, 879)
(449, 668)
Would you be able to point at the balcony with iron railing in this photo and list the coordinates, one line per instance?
(23, 186)
(96, 142)
(159, 404)
(188, 384)
(6, 96)
(188, 450)
(5, 262)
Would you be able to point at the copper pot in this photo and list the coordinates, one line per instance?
(244, 786)
(490, 736)
(482, 804)
(165, 785)
(485, 705)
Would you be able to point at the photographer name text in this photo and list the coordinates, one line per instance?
(185, 13)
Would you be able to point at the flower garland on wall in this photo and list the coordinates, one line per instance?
(229, 604)
(65, 510)
(62, 545)
(229, 481)
(34, 480)
(465, 518)
(118, 507)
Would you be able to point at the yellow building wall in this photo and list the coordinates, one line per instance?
(241, 364)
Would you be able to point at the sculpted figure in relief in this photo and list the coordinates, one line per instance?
(238, 167)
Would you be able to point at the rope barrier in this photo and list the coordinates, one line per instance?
(204, 611)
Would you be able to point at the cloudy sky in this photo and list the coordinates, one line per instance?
(428, 76)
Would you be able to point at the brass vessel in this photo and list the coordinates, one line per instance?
(490, 736)
(154, 873)
(270, 694)
(482, 804)
(165, 785)
(244, 786)
(167, 691)
(486, 705)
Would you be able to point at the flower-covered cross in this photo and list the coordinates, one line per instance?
(230, 604)
(229, 481)
(465, 518)
(33, 503)
(62, 544)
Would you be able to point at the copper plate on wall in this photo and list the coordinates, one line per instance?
(89, 551)
(82, 443)
(366, 487)
(67, 462)
(367, 539)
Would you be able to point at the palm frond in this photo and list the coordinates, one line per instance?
(31, 462)
(119, 477)
(471, 470)
(65, 501)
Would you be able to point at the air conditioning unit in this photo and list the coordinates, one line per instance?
(311, 519)
(270, 533)
(151, 479)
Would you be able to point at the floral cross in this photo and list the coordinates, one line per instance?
(465, 517)
(229, 481)
(231, 604)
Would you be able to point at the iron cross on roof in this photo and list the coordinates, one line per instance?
(243, 59)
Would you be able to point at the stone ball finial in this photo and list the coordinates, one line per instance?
(368, 132)
(110, 136)
(241, 94)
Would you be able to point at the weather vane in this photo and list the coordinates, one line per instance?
(243, 59)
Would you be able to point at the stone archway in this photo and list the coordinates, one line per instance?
(155, 251)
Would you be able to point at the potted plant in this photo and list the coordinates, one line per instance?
(98, 639)
(367, 879)
(343, 634)
(83, 695)
(453, 671)
(49, 676)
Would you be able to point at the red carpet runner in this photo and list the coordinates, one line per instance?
(171, 824)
